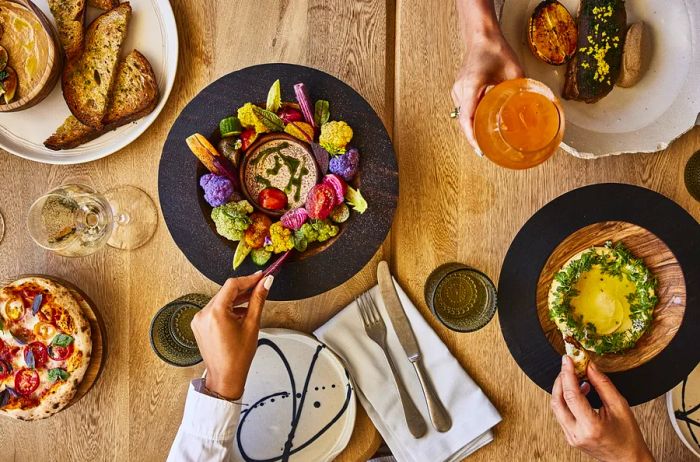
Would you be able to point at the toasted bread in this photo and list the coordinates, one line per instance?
(88, 79)
(135, 95)
(70, 19)
(104, 4)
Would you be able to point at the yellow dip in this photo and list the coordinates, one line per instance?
(602, 301)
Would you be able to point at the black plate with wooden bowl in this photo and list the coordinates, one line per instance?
(653, 228)
(323, 266)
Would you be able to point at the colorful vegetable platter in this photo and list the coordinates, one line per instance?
(285, 158)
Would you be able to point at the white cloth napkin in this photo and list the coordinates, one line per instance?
(472, 413)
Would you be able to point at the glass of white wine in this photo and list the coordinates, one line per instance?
(74, 220)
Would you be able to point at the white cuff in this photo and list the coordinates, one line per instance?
(208, 417)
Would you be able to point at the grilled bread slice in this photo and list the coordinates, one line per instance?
(88, 80)
(104, 4)
(70, 20)
(593, 71)
(135, 95)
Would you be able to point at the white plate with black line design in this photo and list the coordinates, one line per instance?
(152, 31)
(298, 404)
(683, 404)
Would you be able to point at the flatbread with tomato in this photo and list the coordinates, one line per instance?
(45, 348)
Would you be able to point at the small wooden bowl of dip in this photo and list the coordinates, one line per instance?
(256, 164)
(34, 52)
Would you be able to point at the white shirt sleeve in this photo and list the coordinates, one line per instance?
(207, 430)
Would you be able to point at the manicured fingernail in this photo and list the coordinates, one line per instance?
(268, 282)
(257, 272)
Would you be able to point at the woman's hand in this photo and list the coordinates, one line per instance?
(612, 433)
(488, 60)
(228, 337)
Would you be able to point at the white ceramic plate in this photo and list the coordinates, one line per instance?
(153, 32)
(299, 401)
(684, 397)
(646, 117)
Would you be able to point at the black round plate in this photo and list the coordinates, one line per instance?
(539, 237)
(187, 216)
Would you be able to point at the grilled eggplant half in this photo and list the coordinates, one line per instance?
(593, 71)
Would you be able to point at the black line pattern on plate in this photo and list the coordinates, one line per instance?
(684, 414)
(287, 451)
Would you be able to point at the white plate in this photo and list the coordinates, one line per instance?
(675, 402)
(294, 377)
(153, 32)
(646, 117)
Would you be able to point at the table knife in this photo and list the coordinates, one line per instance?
(438, 414)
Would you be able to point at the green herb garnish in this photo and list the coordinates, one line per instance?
(58, 374)
(62, 340)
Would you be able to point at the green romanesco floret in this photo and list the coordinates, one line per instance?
(335, 135)
(232, 219)
(281, 237)
(250, 120)
(317, 231)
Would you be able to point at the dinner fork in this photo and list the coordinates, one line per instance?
(376, 331)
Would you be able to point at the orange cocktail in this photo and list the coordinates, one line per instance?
(519, 123)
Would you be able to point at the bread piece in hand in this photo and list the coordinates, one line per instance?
(593, 71)
(135, 95)
(88, 80)
(70, 20)
(103, 4)
(578, 356)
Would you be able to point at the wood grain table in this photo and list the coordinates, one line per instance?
(402, 56)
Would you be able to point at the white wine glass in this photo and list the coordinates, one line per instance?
(2, 227)
(74, 220)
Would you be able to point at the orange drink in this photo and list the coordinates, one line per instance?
(519, 123)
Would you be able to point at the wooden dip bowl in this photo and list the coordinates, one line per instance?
(44, 66)
(671, 291)
(256, 153)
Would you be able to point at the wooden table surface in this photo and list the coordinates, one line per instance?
(402, 57)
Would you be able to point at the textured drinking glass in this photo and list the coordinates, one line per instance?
(692, 176)
(74, 220)
(462, 298)
(172, 338)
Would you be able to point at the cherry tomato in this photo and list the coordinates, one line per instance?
(257, 231)
(5, 369)
(41, 354)
(26, 381)
(247, 138)
(272, 199)
(14, 309)
(44, 330)
(61, 353)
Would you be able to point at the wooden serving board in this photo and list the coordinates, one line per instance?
(97, 327)
(671, 289)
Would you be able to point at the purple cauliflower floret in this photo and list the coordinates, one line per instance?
(345, 165)
(218, 190)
